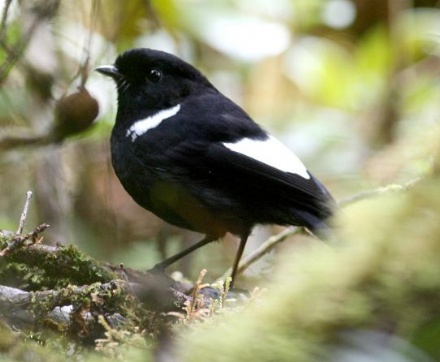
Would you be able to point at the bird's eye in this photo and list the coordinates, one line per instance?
(154, 75)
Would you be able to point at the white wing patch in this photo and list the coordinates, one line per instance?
(144, 125)
(271, 152)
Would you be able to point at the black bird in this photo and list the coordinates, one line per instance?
(194, 158)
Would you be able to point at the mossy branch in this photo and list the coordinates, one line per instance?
(41, 279)
(27, 308)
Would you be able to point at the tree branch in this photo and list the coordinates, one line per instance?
(18, 240)
(18, 305)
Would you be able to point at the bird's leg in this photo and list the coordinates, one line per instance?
(243, 240)
(172, 259)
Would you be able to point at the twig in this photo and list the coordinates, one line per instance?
(264, 248)
(377, 192)
(24, 213)
(84, 68)
(25, 140)
(4, 19)
(270, 243)
(195, 293)
(18, 240)
(16, 50)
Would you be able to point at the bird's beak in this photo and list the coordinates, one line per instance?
(110, 71)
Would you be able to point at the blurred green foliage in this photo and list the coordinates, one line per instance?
(383, 278)
(357, 101)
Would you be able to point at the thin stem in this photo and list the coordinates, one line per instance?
(24, 213)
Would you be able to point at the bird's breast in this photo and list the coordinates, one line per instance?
(161, 191)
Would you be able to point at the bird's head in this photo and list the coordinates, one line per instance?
(150, 80)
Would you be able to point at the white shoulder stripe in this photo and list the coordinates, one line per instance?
(271, 152)
(144, 125)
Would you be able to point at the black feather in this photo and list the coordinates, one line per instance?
(181, 170)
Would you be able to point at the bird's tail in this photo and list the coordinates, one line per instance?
(319, 227)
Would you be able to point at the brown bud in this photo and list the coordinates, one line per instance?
(74, 113)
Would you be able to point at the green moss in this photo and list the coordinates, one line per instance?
(31, 268)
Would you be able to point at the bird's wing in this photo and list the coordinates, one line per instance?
(263, 169)
(281, 173)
